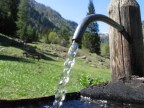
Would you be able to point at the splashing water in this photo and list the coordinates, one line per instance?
(68, 64)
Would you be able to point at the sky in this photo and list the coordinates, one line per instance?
(76, 10)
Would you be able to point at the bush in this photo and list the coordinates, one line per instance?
(105, 49)
(91, 41)
(53, 38)
(87, 80)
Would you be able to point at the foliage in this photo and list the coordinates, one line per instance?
(143, 30)
(91, 38)
(91, 42)
(25, 30)
(64, 37)
(44, 18)
(87, 80)
(93, 27)
(60, 37)
(20, 17)
(22, 77)
(105, 49)
(23, 20)
(53, 38)
(28, 78)
(32, 34)
(8, 16)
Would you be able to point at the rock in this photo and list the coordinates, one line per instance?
(63, 55)
(82, 57)
(101, 63)
(94, 65)
(127, 90)
(54, 53)
(86, 62)
(57, 58)
(101, 60)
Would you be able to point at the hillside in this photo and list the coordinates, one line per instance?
(44, 17)
(39, 17)
(27, 77)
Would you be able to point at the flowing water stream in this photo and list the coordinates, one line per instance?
(68, 64)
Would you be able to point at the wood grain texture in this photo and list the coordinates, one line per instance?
(126, 58)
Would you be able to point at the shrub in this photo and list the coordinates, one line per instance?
(87, 80)
(105, 49)
(53, 38)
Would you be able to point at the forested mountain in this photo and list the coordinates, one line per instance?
(143, 27)
(8, 16)
(40, 18)
(43, 18)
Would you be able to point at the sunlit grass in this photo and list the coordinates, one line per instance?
(28, 78)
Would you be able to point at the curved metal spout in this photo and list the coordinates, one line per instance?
(94, 17)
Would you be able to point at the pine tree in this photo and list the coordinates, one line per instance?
(3, 15)
(91, 37)
(13, 9)
(65, 36)
(23, 19)
(8, 15)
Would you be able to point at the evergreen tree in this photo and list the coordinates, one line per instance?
(29, 34)
(23, 20)
(35, 35)
(8, 15)
(53, 38)
(91, 37)
(105, 49)
(64, 36)
(14, 9)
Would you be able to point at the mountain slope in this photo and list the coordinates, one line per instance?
(143, 26)
(44, 18)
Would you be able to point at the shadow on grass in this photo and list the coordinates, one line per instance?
(53, 55)
(42, 56)
(7, 42)
(47, 58)
(12, 58)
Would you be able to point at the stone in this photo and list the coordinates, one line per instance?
(82, 57)
(94, 65)
(124, 90)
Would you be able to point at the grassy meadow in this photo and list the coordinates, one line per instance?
(22, 77)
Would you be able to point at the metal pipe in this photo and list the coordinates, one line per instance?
(91, 18)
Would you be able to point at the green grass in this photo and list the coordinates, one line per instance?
(28, 78)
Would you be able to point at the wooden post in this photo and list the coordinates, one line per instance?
(126, 58)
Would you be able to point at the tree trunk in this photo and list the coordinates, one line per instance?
(126, 58)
